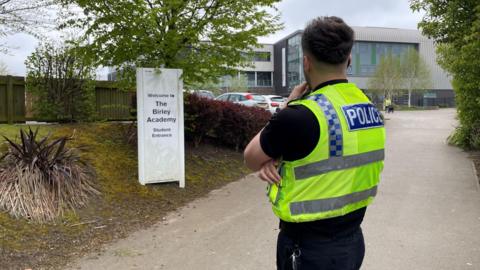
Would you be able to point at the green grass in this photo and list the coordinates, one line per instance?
(12, 131)
(124, 205)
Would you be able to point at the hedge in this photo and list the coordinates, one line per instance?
(230, 124)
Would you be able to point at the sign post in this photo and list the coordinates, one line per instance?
(161, 143)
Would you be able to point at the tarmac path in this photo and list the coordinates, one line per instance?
(426, 215)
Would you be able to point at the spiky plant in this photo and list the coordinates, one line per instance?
(40, 179)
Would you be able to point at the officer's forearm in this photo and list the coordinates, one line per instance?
(254, 155)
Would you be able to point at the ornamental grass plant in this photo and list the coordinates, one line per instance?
(41, 179)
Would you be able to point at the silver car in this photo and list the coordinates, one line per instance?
(247, 99)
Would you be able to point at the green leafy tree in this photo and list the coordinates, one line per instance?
(387, 77)
(455, 27)
(239, 83)
(207, 85)
(415, 73)
(61, 84)
(205, 38)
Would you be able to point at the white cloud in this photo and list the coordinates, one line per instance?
(22, 46)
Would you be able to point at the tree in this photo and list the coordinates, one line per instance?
(3, 69)
(205, 38)
(455, 27)
(22, 16)
(61, 83)
(207, 85)
(414, 72)
(239, 83)
(387, 76)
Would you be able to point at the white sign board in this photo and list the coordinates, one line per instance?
(161, 144)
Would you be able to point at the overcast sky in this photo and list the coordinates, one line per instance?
(294, 13)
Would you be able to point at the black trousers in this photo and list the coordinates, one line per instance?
(342, 253)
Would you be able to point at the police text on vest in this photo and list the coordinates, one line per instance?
(362, 116)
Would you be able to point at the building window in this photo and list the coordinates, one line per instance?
(294, 62)
(264, 79)
(247, 57)
(250, 78)
(256, 56)
(225, 81)
(366, 55)
(262, 56)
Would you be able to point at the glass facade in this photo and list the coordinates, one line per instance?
(294, 61)
(262, 57)
(225, 81)
(264, 79)
(367, 55)
(254, 79)
(257, 56)
(250, 78)
(365, 58)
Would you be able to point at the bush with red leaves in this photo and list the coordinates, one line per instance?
(202, 117)
(233, 125)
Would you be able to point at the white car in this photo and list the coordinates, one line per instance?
(274, 102)
(247, 99)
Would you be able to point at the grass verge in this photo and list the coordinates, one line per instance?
(125, 205)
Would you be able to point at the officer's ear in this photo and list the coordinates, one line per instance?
(307, 64)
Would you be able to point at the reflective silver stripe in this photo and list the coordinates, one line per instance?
(324, 205)
(338, 163)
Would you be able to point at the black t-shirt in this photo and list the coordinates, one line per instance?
(292, 134)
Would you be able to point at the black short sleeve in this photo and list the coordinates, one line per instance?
(291, 134)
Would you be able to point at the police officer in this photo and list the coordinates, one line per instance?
(322, 157)
(388, 105)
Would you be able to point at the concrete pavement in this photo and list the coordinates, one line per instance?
(426, 215)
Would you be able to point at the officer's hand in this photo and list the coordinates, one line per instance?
(298, 91)
(268, 173)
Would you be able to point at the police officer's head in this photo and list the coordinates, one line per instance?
(327, 43)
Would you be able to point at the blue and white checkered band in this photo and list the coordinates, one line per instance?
(335, 135)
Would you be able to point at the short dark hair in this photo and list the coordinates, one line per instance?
(328, 39)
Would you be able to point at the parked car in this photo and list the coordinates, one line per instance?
(247, 99)
(202, 93)
(262, 101)
(274, 102)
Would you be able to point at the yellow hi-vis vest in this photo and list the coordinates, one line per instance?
(341, 174)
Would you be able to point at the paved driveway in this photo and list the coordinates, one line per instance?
(426, 216)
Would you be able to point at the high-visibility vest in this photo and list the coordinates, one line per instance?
(388, 102)
(342, 173)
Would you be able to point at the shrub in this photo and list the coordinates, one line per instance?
(39, 179)
(240, 124)
(61, 84)
(255, 120)
(466, 137)
(202, 116)
(231, 124)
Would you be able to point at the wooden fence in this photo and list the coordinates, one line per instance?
(111, 104)
(12, 99)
